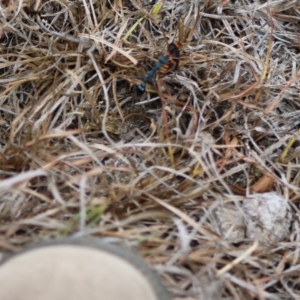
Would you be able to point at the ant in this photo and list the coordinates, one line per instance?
(165, 64)
(169, 61)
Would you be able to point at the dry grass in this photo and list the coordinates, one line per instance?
(83, 154)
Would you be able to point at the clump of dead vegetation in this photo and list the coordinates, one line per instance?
(83, 154)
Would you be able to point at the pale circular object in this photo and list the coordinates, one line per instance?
(72, 271)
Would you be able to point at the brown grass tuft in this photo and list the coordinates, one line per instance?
(82, 154)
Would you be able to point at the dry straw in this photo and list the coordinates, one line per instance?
(82, 154)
